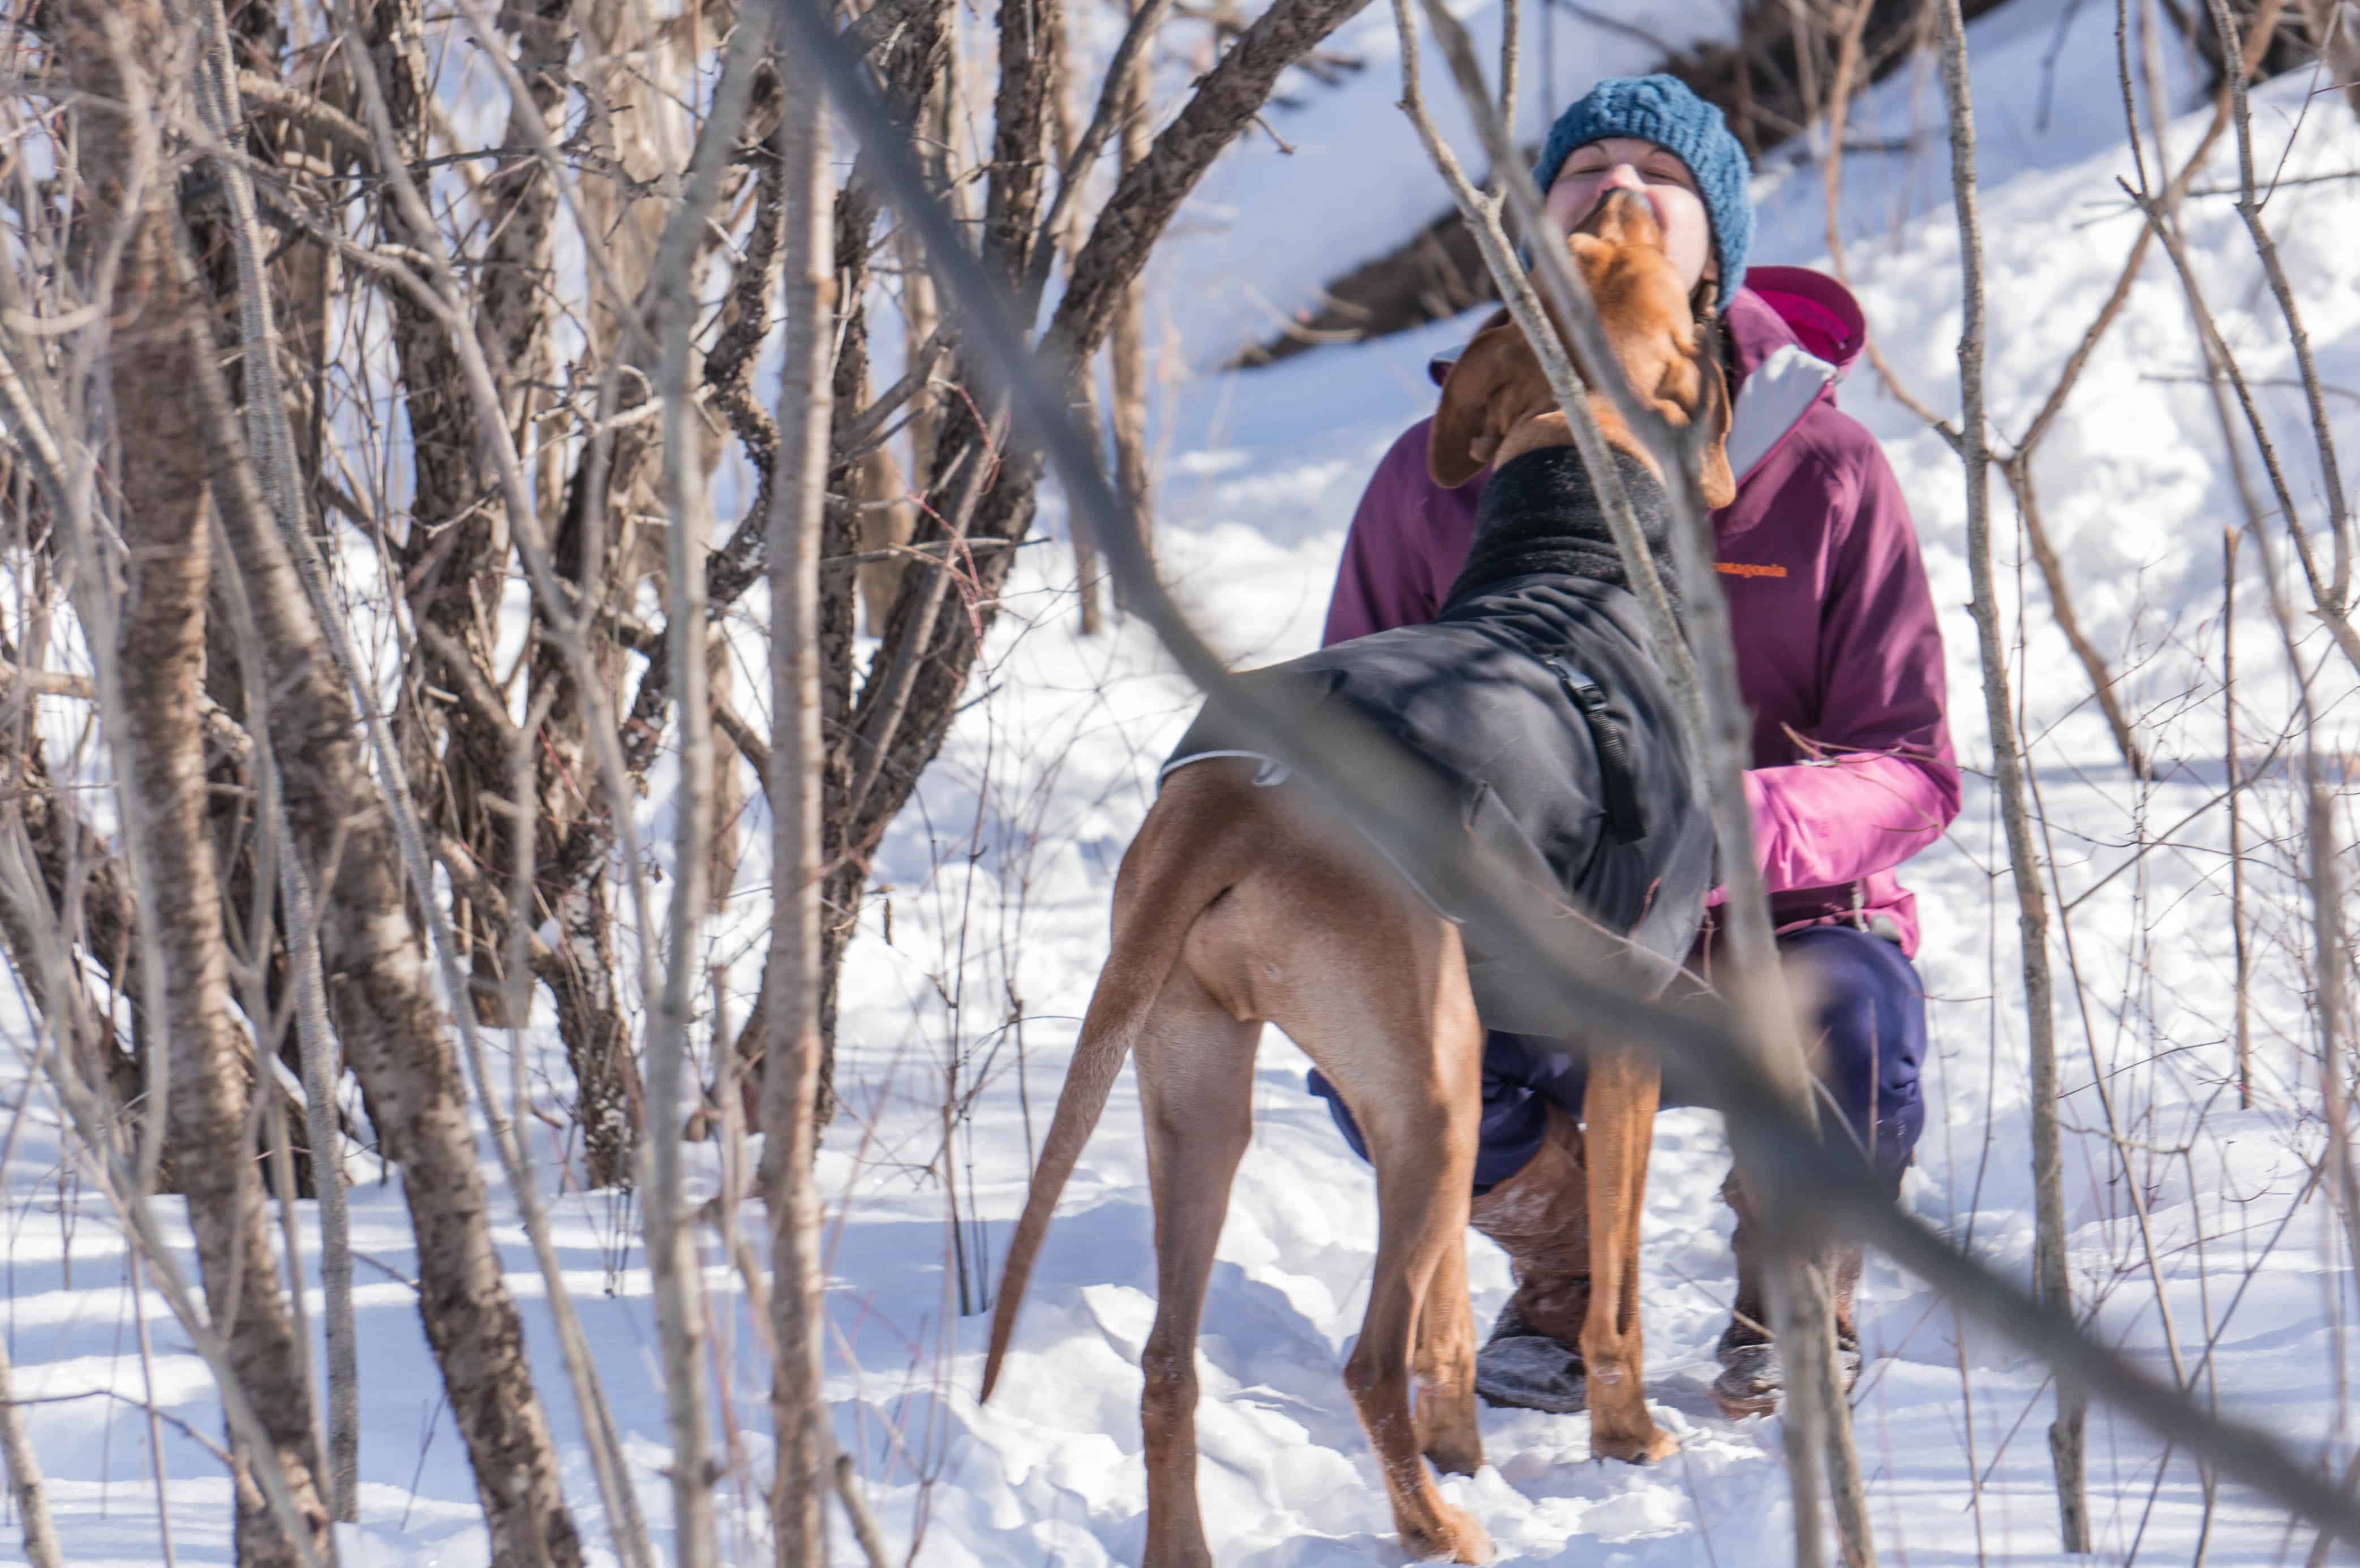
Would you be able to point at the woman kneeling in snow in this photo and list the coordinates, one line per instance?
(1839, 661)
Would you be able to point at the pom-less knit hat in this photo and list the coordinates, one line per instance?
(1661, 109)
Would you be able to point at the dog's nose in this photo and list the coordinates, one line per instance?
(1624, 215)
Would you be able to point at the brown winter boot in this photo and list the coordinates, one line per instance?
(1751, 1374)
(1540, 1217)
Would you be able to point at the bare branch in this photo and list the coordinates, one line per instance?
(1115, 108)
(858, 431)
(1145, 199)
(24, 1475)
(321, 119)
(2053, 1283)
(2336, 603)
(856, 1504)
(1569, 296)
(2264, 20)
(2224, 363)
(2017, 471)
(792, 1042)
(672, 1248)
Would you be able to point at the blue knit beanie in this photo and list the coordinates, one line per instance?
(1661, 109)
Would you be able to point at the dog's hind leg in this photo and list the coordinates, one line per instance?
(1618, 1108)
(1195, 1086)
(1344, 957)
(1406, 1053)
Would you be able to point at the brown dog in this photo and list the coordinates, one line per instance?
(1238, 906)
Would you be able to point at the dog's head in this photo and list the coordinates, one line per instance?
(1496, 403)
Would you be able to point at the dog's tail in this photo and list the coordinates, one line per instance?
(1172, 874)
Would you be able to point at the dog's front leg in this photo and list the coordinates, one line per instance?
(1421, 1214)
(1446, 1430)
(1619, 1114)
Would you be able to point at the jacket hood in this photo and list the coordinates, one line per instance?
(1795, 305)
(1792, 335)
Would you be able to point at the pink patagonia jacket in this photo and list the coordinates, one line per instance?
(1838, 651)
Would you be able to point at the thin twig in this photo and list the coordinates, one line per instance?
(2337, 602)
(24, 1466)
(791, 1037)
(2054, 1283)
(2242, 1001)
(2218, 354)
(856, 1508)
(1142, 31)
(1567, 292)
(1819, 1421)
(273, 443)
(672, 1243)
(2017, 471)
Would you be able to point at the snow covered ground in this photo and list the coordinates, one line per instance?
(971, 970)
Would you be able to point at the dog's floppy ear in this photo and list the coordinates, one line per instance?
(1467, 428)
(1715, 480)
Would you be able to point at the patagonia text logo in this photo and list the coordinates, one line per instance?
(1748, 569)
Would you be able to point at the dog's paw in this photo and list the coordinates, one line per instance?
(1635, 1447)
(1451, 1537)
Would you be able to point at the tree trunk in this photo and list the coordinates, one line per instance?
(398, 1043)
(640, 83)
(455, 562)
(130, 58)
(1126, 346)
(24, 1475)
(1066, 100)
(791, 1064)
(164, 522)
(584, 974)
(395, 1035)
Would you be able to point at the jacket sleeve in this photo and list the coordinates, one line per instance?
(1883, 783)
(1384, 580)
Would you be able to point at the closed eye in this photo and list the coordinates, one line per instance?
(1665, 169)
(1667, 173)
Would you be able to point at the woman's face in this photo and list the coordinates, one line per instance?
(1658, 175)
